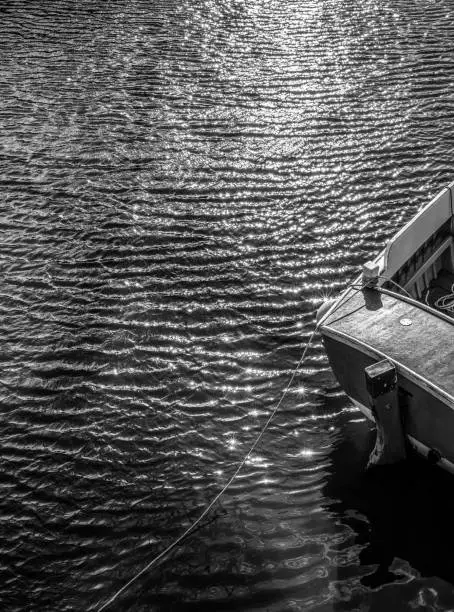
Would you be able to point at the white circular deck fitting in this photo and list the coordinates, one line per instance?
(406, 322)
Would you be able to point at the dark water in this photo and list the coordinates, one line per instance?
(181, 184)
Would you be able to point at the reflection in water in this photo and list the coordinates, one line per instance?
(400, 517)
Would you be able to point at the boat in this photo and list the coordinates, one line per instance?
(389, 338)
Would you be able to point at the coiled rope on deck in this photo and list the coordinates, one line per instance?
(446, 302)
(355, 289)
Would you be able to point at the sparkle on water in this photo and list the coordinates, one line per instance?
(183, 184)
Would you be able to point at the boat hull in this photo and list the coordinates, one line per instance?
(393, 312)
(428, 418)
(418, 446)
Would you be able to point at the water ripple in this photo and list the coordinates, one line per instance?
(182, 185)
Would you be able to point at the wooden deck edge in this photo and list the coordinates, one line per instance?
(370, 351)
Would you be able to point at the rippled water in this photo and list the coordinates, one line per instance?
(181, 184)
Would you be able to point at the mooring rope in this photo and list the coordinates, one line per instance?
(390, 280)
(194, 525)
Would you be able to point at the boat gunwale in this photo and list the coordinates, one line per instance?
(417, 304)
(405, 298)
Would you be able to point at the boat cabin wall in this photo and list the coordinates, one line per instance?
(419, 231)
(434, 256)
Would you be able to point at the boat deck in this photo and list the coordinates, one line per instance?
(425, 346)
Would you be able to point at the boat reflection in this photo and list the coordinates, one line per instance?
(401, 514)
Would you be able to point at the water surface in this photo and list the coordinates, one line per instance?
(181, 185)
